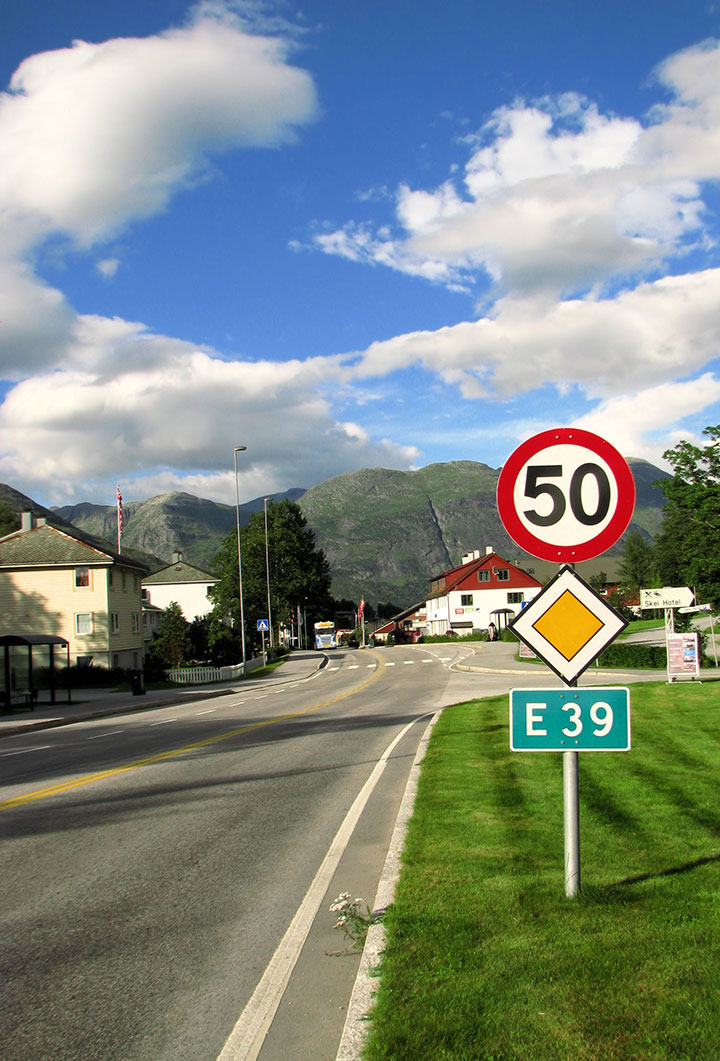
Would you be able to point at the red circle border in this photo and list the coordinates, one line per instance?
(566, 554)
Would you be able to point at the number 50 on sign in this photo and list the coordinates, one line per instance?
(565, 495)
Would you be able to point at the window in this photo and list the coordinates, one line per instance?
(123, 580)
(483, 576)
(83, 623)
(503, 574)
(466, 599)
(82, 577)
(110, 578)
(114, 622)
(136, 622)
(515, 598)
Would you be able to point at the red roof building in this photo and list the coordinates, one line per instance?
(483, 589)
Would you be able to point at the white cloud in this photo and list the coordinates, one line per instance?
(558, 198)
(633, 422)
(122, 124)
(107, 267)
(150, 402)
(660, 331)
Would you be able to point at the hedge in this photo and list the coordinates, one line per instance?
(646, 657)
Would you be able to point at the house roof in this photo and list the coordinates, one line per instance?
(456, 577)
(178, 572)
(47, 546)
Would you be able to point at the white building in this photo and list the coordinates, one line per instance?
(481, 590)
(182, 584)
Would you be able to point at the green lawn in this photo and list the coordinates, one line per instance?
(487, 958)
(642, 624)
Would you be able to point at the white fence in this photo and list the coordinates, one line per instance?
(203, 675)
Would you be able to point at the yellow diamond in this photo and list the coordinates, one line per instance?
(568, 625)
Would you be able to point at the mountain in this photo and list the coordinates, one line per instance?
(171, 522)
(22, 503)
(385, 532)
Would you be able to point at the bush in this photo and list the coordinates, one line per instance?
(634, 655)
(88, 677)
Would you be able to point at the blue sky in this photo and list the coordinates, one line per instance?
(350, 235)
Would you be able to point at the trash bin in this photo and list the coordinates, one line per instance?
(136, 683)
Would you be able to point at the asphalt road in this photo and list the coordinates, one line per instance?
(153, 862)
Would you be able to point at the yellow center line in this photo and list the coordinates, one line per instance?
(101, 775)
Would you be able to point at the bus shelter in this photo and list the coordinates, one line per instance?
(33, 666)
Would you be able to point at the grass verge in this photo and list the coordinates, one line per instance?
(487, 959)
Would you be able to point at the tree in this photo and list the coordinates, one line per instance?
(688, 548)
(9, 521)
(299, 571)
(637, 566)
(172, 645)
(598, 582)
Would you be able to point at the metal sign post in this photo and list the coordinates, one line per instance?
(567, 495)
(570, 720)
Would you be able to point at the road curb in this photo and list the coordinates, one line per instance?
(362, 998)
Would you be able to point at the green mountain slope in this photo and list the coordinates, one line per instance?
(385, 533)
(168, 523)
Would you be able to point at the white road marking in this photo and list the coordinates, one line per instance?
(163, 722)
(98, 736)
(390, 664)
(408, 662)
(207, 711)
(354, 666)
(247, 1037)
(24, 751)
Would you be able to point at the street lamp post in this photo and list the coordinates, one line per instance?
(236, 450)
(267, 571)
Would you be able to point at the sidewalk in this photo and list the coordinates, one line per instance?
(101, 703)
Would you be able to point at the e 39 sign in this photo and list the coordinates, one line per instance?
(565, 495)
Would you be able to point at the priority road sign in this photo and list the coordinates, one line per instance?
(565, 495)
(568, 624)
(561, 720)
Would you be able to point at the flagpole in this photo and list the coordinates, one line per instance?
(119, 520)
(361, 618)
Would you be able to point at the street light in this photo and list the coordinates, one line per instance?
(267, 570)
(236, 450)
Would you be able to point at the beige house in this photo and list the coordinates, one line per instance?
(66, 583)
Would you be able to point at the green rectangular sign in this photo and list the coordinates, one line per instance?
(570, 720)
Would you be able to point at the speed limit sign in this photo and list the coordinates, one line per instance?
(565, 495)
